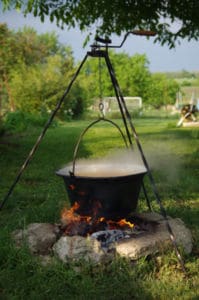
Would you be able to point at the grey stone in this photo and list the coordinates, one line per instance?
(73, 248)
(39, 237)
(158, 241)
(42, 239)
(152, 216)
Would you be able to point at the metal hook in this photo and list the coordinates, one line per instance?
(101, 108)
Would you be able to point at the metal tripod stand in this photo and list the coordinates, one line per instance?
(100, 49)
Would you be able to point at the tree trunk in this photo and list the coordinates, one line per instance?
(10, 98)
(0, 102)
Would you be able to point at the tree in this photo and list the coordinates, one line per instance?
(37, 88)
(8, 60)
(22, 48)
(119, 16)
(162, 91)
(132, 73)
(34, 72)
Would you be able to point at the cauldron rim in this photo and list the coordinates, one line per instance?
(59, 173)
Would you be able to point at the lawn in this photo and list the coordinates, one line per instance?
(173, 155)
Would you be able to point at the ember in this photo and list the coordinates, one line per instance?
(75, 224)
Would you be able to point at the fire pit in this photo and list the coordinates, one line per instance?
(148, 235)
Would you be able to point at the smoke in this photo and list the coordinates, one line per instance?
(116, 163)
(163, 158)
(160, 157)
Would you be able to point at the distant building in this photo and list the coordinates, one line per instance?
(111, 104)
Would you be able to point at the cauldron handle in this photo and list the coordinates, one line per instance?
(83, 133)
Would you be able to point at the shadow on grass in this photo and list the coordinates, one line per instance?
(170, 134)
(38, 183)
(22, 276)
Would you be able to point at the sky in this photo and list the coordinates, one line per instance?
(161, 58)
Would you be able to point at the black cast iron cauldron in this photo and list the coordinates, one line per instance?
(111, 197)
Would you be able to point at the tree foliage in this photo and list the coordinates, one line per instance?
(162, 90)
(36, 69)
(119, 16)
(34, 72)
(132, 73)
(134, 78)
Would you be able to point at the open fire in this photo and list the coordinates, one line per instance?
(75, 224)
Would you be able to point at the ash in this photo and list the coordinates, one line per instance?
(110, 236)
(107, 237)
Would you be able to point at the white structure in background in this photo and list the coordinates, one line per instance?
(197, 104)
(188, 112)
(111, 104)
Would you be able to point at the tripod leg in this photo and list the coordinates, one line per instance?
(146, 197)
(125, 113)
(30, 155)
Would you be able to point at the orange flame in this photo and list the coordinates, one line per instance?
(70, 218)
(69, 214)
(124, 222)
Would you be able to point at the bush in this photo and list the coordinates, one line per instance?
(19, 121)
(37, 120)
(136, 113)
(15, 122)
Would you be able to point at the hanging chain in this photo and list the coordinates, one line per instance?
(101, 103)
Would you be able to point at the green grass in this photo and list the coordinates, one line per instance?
(173, 154)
